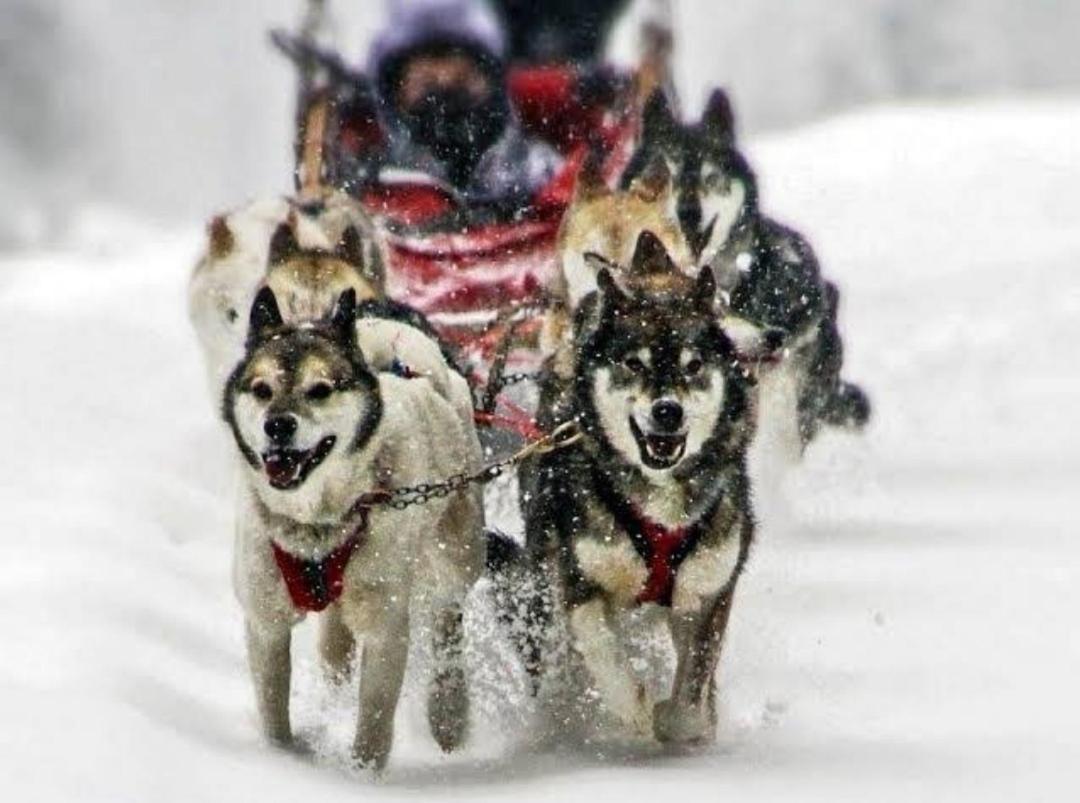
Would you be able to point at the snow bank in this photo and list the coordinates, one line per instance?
(905, 630)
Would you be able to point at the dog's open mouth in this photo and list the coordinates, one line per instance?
(659, 451)
(287, 469)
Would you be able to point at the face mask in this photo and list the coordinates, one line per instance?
(456, 127)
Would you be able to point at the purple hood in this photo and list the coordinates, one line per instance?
(413, 24)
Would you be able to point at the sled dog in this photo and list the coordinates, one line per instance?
(316, 426)
(260, 244)
(767, 272)
(605, 223)
(652, 506)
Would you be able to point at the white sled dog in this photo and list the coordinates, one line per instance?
(260, 244)
(316, 426)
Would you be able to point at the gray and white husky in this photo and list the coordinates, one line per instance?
(652, 507)
(767, 272)
(316, 426)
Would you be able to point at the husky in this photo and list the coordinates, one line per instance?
(604, 224)
(652, 507)
(316, 426)
(767, 273)
(260, 244)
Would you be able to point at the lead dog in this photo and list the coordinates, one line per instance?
(652, 507)
(316, 426)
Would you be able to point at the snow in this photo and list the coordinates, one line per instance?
(905, 631)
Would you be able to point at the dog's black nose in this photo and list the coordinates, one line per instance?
(773, 339)
(280, 429)
(667, 415)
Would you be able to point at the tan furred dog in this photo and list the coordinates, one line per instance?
(604, 223)
(249, 248)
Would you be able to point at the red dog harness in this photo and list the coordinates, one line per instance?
(315, 584)
(663, 545)
(662, 548)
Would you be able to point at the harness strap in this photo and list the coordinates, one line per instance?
(313, 585)
(664, 544)
(662, 548)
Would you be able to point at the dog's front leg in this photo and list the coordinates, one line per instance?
(336, 644)
(384, 627)
(597, 642)
(268, 648)
(689, 715)
(448, 699)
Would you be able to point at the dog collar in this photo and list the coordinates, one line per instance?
(313, 585)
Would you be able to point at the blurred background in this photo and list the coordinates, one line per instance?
(176, 108)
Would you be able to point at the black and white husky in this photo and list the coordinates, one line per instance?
(652, 506)
(768, 272)
(316, 425)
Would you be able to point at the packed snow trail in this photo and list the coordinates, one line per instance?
(906, 629)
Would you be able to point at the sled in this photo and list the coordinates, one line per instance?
(479, 277)
(471, 273)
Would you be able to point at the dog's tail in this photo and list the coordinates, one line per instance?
(522, 601)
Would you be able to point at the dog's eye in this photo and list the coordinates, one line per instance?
(693, 368)
(261, 391)
(634, 364)
(320, 391)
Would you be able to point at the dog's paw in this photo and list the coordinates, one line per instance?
(371, 750)
(448, 709)
(369, 760)
(681, 724)
(279, 735)
(636, 714)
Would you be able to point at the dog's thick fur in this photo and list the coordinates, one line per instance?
(645, 349)
(260, 244)
(768, 272)
(316, 426)
(601, 227)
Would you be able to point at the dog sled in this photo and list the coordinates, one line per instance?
(476, 277)
(479, 277)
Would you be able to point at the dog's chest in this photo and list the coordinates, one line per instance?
(639, 561)
(608, 558)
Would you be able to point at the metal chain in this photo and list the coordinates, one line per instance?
(564, 435)
(509, 380)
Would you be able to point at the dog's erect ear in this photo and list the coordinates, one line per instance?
(351, 247)
(658, 123)
(343, 318)
(221, 237)
(718, 121)
(590, 183)
(705, 290)
(654, 185)
(283, 245)
(651, 257)
(265, 315)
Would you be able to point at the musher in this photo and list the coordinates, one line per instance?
(440, 84)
